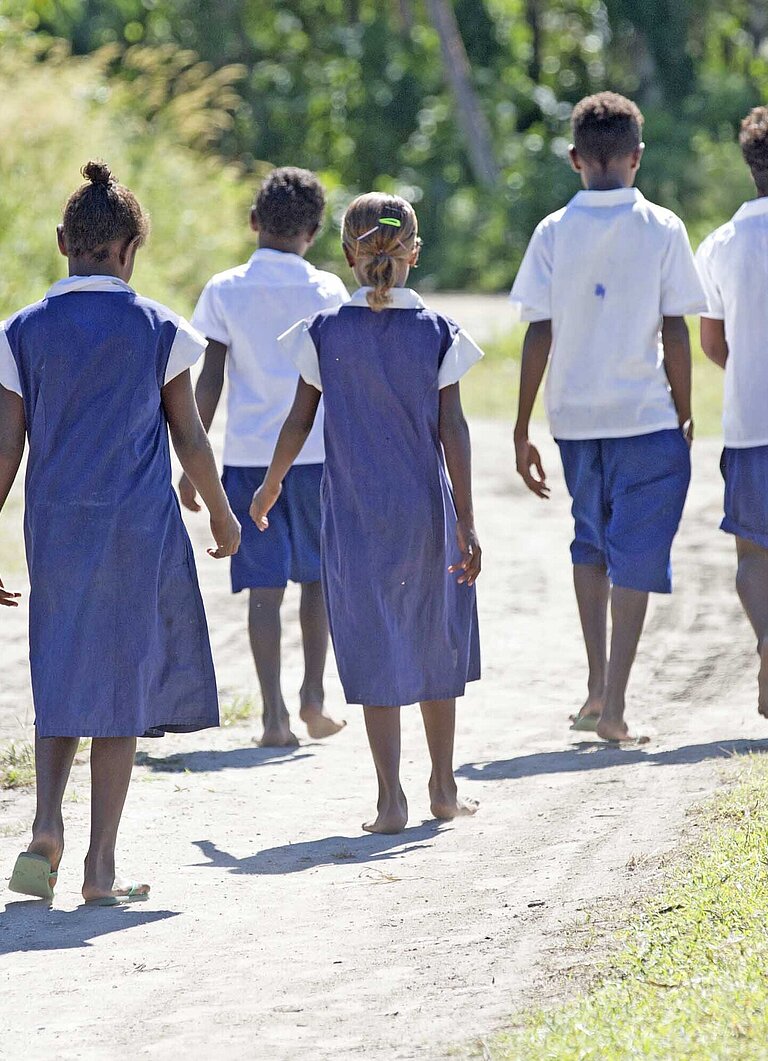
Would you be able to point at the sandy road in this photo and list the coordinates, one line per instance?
(278, 930)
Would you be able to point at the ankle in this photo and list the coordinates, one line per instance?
(311, 696)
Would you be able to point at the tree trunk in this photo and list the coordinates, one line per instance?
(533, 18)
(469, 114)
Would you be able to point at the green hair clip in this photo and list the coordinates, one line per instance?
(393, 221)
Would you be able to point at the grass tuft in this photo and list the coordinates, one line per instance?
(690, 980)
(17, 765)
(238, 709)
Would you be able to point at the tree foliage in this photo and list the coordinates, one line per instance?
(358, 89)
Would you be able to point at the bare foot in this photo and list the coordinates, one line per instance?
(50, 846)
(446, 809)
(762, 681)
(618, 732)
(591, 708)
(392, 817)
(318, 723)
(279, 737)
(119, 892)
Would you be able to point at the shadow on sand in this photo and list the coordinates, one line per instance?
(32, 925)
(203, 762)
(597, 755)
(329, 851)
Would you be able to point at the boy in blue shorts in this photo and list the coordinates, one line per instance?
(734, 269)
(605, 284)
(242, 312)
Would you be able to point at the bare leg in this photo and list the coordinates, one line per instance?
(111, 765)
(628, 608)
(314, 633)
(752, 586)
(440, 725)
(592, 594)
(264, 630)
(382, 725)
(53, 762)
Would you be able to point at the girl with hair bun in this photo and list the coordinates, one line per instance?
(95, 376)
(400, 554)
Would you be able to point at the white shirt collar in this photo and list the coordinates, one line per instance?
(613, 197)
(88, 283)
(400, 298)
(752, 208)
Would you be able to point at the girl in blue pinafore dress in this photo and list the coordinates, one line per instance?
(95, 375)
(399, 551)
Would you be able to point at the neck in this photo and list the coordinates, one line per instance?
(88, 267)
(286, 244)
(605, 182)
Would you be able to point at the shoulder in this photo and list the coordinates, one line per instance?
(712, 244)
(548, 225)
(328, 284)
(660, 216)
(227, 278)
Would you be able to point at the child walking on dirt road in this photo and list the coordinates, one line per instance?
(95, 375)
(734, 268)
(605, 284)
(242, 312)
(400, 552)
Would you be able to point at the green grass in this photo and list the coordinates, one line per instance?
(238, 709)
(690, 980)
(17, 765)
(490, 389)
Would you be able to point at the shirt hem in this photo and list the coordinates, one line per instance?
(228, 462)
(596, 432)
(745, 445)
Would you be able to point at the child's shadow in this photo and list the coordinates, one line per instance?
(32, 926)
(206, 761)
(329, 851)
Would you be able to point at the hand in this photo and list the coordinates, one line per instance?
(527, 458)
(686, 426)
(188, 494)
(226, 533)
(263, 501)
(471, 553)
(8, 599)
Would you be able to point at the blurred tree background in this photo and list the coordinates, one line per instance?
(460, 105)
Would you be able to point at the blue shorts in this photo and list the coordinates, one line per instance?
(290, 548)
(746, 493)
(628, 497)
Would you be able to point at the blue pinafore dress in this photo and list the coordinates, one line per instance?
(403, 628)
(118, 638)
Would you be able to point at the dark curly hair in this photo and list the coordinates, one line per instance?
(101, 211)
(606, 127)
(290, 202)
(753, 139)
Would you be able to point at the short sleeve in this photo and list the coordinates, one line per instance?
(462, 354)
(681, 288)
(715, 306)
(532, 289)
(340, 293)
(208, 317)
(9, 372)
(187, 349)
(300, 348)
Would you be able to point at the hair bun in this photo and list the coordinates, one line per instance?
(97, 172)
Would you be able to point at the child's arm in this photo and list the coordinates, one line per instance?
(536, 347)
(194, 451)
(677, 364)
(207, 394)
(290, 441)
(454, 435)
(713, 341)
(12, 434)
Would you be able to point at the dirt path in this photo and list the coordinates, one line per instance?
(278, 930)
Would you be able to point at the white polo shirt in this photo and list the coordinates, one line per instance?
(247, 308)
(733, 263)
(605, 269)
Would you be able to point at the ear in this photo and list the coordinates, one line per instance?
(637, 156)
(129, 249)
(61, 241)
(413, 261)
(574, 159)
(348, 255)
(254, 220)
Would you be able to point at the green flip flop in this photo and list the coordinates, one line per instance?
(585, 723)
(32, 875)
(132, 895)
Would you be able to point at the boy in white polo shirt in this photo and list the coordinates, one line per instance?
(733, 263)
(242, 312)
(605, 283)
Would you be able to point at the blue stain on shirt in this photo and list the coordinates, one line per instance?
(599, 290)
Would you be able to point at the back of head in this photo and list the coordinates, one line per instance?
(606, 127)
(379, 231)
(753, 139)
(290, 203)
(101, 212)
